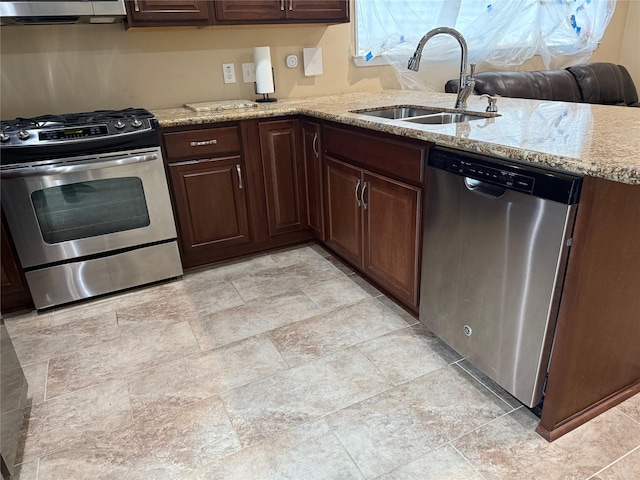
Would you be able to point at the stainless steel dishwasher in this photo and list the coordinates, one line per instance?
(496, 241)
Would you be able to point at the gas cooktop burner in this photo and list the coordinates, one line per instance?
(48, 136)
(73, 127)
(74, 119)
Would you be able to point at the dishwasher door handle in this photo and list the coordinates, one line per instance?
(484, 188)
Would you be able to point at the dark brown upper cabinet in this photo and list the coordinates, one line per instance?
(168, 13)
(281, 11)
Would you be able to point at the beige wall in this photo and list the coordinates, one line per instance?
(630, 43)
(53, 69)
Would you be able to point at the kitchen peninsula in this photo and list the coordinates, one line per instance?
(596, 362)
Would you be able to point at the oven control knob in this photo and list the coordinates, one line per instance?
(23, 134)
(136, 123)
(119, 124)
(4, 138)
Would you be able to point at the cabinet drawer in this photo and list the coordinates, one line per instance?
(392, 157)
(202, 143)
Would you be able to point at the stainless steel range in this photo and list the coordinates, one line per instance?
(87, 203)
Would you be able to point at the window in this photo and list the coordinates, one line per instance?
(498, 32)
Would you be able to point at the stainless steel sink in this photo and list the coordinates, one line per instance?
(423, 115)
(442, 118)
(397, 113)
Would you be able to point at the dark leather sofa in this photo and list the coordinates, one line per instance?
(603, 83)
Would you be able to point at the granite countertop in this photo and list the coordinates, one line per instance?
(595, 140)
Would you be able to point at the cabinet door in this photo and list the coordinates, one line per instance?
(313, 177)
(210, 204)
(343, 186)
(319, 10)
(239, 11)
(142, 13)
(392, 212)
(283, 176)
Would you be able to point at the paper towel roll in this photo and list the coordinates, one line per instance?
(264, 73)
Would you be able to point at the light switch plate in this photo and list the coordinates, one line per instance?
(312, 58)
(249, 72)
(229, 73)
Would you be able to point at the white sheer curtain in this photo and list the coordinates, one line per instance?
(501, 34)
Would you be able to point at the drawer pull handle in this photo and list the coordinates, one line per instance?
(356, 193)
(239, 172)
(290, 4)
(282, 5)
(203, 143)
(136, 6)
(364, 187)
(314, 145)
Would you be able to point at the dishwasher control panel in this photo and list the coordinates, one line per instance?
(498, 176)
(563, 187)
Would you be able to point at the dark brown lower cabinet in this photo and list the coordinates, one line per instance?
(343, 209)
(14, 290)
(392, 217)
(211, 206)
(373, 190)
(283, 171)
(596, 356)
(237, 188)
(374, 222)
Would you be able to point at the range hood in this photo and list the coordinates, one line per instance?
(47, 12)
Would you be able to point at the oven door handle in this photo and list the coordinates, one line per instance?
(81, 166)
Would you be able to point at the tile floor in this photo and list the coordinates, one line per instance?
(280, 366)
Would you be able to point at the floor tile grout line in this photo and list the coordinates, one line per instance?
(237, 291)
(46, 382)
(626, 414)
(486, 386)
(466, 459)
(614, 462)
(478, 427)
(357, 346)
(344, 447)
(268, 335)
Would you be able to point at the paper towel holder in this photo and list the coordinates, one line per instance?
(265, 96)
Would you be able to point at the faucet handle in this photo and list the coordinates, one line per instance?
(472, 68)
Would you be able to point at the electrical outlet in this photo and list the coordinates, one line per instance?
(249, 72)
(229, 73)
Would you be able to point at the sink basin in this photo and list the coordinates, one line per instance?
(443, 118)
(423, 115)
(397, 113)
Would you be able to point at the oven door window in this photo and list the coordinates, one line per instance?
(91, 208)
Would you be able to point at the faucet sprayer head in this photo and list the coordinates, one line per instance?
(414, 62)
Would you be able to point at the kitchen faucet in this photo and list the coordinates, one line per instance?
(467, 82)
